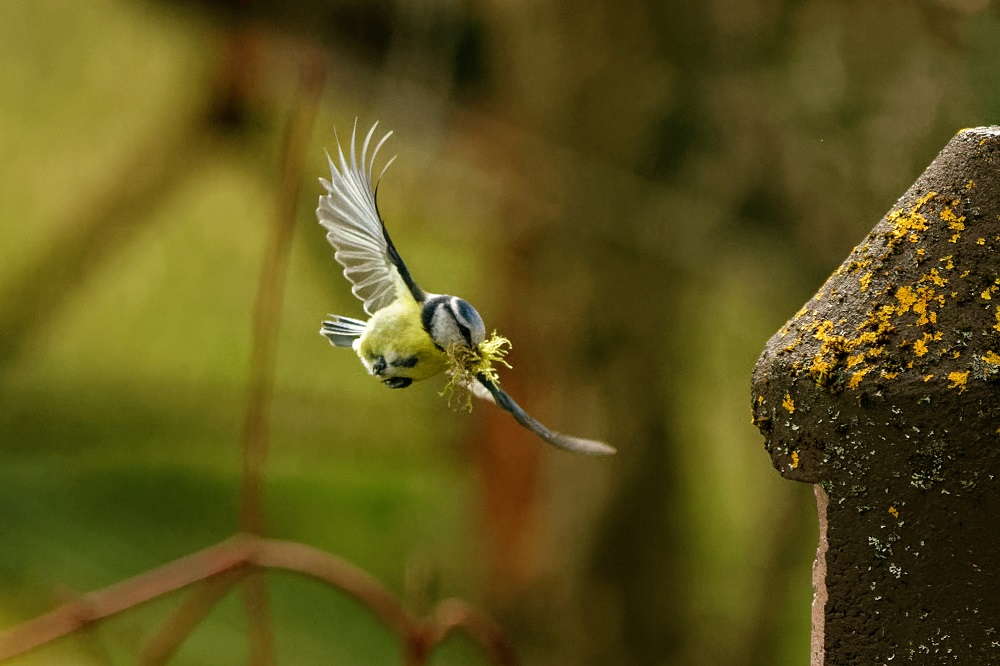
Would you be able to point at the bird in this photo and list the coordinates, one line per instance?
(411, 334)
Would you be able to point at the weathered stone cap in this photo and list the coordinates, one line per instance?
(902, 342)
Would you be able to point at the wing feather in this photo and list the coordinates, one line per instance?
(355, 229)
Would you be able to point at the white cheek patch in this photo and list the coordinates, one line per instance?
(444, 328)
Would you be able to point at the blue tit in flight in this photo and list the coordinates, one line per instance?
(411, 334)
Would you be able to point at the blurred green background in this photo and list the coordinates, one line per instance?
(638, 193)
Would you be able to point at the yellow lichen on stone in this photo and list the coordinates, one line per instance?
(919, 299)
(865, 280)
(890, 375)
(906, 298)
(991, 357)
(856, 378)
(997, 315)
(935, 277)
(894, 512)
(854, 360)
(788, 403)
(955, 223)
(795, 460)
(919, 347)
(969, 185)
(820, 369)
(985, 295)
(909, 223)
(929, 377)
(949, 264)
(958, 380)
(980, 241)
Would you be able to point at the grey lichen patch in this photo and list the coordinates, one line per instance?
(928, 463)
(986, 367)
(883, 547)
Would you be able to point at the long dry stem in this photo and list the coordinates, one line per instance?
(267, 315)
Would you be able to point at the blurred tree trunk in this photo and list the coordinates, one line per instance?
(632, 600)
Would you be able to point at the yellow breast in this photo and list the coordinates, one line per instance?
(395, 333)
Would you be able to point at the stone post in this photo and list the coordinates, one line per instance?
(884, 391)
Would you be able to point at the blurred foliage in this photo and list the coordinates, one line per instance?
(663, 182)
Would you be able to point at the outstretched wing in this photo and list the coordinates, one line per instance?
(355, 228)
(575, 444)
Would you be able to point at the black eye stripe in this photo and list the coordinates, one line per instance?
(459, 311)
(466, 333)
(430, 308)
(407, 362)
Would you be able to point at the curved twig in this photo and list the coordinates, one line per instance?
(223, 565)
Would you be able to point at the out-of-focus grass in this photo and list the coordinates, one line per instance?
(121, 420)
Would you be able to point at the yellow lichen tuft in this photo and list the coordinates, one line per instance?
(865, 280)
(894, 512)
(906, 298)
(465, 363)
(795, 460)
(991, 357)
(909, 224)
(958, 380)
(980, 241)
(934, 277)
(856, 378)
(788, 404)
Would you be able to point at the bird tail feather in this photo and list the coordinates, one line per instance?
(342, 331)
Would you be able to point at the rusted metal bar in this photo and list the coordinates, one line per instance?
(884, 390)
(222, 566)
(75, 615)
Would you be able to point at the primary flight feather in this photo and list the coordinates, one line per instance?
(411, 334)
